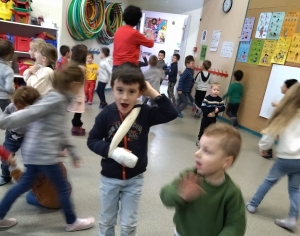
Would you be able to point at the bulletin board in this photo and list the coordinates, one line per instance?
(256, 77)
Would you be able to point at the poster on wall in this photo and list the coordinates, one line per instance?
(242, 55)
(294, 52)
(155, 29)
(203, 36)
(215, 40)
(275, 25)
(247, 29)
(263, 25)
(255, 51)
(267, 53)
(290, 24)
(203, 52)
(281, 51)
(227, 49)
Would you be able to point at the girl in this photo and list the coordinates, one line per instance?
(79, 54)
(46, 127)
(283, 126)
(91, 77)
(36, 45)
(104, 75)
(285, 87)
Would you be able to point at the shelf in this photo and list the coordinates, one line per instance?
(19, 76)
(25, 30)
(19, 52)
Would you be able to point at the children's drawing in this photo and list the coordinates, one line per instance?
(294, 51)
(290, 24)
(263, 25)
(247, 29)
(155, 29)
(242, 55)
(281, 51)
(267, 53)
(255, 51)
(275, 25)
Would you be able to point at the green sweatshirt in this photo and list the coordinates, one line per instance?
(219, 212)
(235, 92)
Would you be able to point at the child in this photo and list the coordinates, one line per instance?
(91, 77)
(211, 106)
(153, 76)
(119, 183)
(23, 97)
(65, 55)
(36, 45)
(6, 73)
(206, 200)
(127, 40)
(104, 75)
(235, 94)
(161, 64)
(172, 76)
(185, 84)
(285, 87)
(283, 126)
(202, 81)
(44, 139)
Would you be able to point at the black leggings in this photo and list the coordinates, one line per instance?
(206, 121)
(77, 120)
(199, 97)
(101, 91)
(232, 109)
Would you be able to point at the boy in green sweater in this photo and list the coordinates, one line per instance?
(235, 94)
(206, 201)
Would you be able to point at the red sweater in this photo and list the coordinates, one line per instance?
(127, 43)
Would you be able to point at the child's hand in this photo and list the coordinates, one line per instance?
(77, 163)
(216, 110)
(212, 114)
(33, 69)
(179, 92)
(150, 91)
(263, 153)
(274, 104)
(189, 188)
(11, 160)
(179, 72)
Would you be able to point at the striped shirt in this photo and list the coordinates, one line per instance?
(210, 104)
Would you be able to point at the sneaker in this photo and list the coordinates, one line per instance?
(7, 223)
(288, 224)
(78, 131)
(90, 103)
(4, 181)
(80, 224)
(180, 115)
(250, 208)
(104, 104)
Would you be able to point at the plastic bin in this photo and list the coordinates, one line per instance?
(24, 64)
(53, 42)
(22, 44)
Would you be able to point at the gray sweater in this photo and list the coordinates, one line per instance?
(9, 110)
(45, 136)
(154, 75)
(6, 80)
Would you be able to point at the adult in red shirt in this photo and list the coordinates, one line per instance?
(127, 41)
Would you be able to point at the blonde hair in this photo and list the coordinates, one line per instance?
(285, 112)
(215, 84)
(50, 52)
(37, 44)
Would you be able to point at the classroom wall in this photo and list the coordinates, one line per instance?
(256, 77)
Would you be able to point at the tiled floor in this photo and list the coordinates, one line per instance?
(171, 150)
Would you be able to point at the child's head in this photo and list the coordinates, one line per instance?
(215, 89)
(189, 62)
(79, 53)
(25, 96)
(6, 50)
(89, 58)
(287, 84)
(36, 45)
(46, 56)
(104, 52)
(65, 51)
(206, 65)
(132, 15)
(161, 55)
(219, 147)
(127, 84)
(153, 61)
(176, 57)
(238, 75)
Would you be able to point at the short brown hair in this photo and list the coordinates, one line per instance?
(215, 84)
(188, 60)
(25, 96)
(153, 60)
(230, 138)
(79, 53)
(50, 52)
(6, 50)
(105, 51)
(206, 64)
(90, 54)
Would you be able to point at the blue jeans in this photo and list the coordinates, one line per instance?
(113, 191)
(31, 199)
(55, 174)
(282, 167)
(182, 101)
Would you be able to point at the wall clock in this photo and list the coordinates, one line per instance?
(227, 5)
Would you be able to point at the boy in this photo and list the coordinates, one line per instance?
(119, 183)
(211, 106)
(66, 54)
(206, 200)
(161, 64)
(91, 77)
(127, 40)
(185, 84)
(172, 76)
(235, 94)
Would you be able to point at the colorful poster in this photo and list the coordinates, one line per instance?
(294, 52)
(227, 49)
(247, 29)
(275, 25)
(203, 52)
(290, 24)
(255, 51)
(281, 51)
(242, 55)
(263, 25)
(267, 53)
(215, 40)
(155, 29)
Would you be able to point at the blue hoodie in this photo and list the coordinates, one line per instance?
(186, 81)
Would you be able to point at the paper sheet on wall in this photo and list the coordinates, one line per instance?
(203, 36)
(247, 29)
(255, 51)
(263, 25)
(242, 55)
(290, 24)
(267, 53)
(215, 40)
(227, 49)
(294, 52)
(203, 52)
(275, 25)
(281, 51)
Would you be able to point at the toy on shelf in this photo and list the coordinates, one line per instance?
(24, 63)
(6, 7)
(214, 72)
(21, 10)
